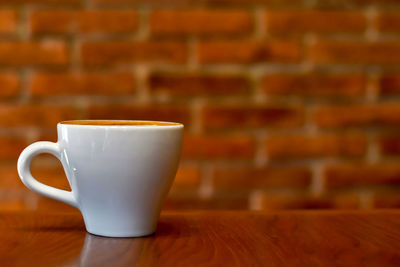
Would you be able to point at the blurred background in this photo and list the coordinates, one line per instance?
(287, 104)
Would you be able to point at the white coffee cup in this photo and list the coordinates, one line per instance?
(119, 172)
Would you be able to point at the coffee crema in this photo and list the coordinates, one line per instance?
(119, 123)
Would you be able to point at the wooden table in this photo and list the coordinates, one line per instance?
(209, 238)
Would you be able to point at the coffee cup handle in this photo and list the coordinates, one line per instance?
(24, 164)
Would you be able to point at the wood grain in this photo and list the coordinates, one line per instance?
(293, 238)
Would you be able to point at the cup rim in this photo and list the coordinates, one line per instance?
(124, 123)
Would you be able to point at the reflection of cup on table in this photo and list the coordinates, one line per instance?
(101, 251)
(119, 172)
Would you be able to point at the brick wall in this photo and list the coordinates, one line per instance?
(287, 104)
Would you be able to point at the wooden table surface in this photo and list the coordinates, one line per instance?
(208, 238)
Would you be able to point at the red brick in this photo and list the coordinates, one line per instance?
(9, 176)
(8, 21)
(247, 51)
(295, 146)
(355, 52)
(361, 175)
(120, 52)
(388, 22)
(294, 202)
(198, 84)
(197, 2)
(227, 201)
(328, 3)
(82, 83)
(19, 53)
(45, 204)
(285, 22)
(84, 21)
(390, 145)
(9, 84)
(46, 134)
(49, 175)
(52, 176)
(58, 2)
(355, 3)
(187, 177)
(35, 115)
(314, 84)
(387, 201)
(357, 115)
(252, 2)
(15, 200)
(200, 21)
(389, 84)
(141, 112)
(261, 178)
(215, 147)
(155, 2)
(11, 147)
(239, 116)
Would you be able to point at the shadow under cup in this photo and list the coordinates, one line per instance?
(119, 171)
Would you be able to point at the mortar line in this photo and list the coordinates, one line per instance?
(371, 31)
(206, 189)
(143, 31)
(318, 180)
(259, 18)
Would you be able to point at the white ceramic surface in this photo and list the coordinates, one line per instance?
(119, 175)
